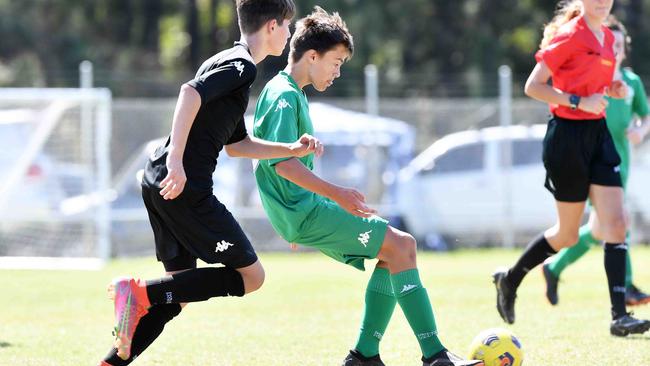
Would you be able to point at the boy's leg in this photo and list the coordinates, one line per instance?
(379, 306)
(399, 251)
(148, 329)
(133, 298)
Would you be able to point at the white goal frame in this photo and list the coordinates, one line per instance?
(93, 129)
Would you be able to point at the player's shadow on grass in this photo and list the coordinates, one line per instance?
(4, 344)
(645, 337)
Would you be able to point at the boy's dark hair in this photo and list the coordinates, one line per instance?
(253, 14)
(321, 32)
(615, 25)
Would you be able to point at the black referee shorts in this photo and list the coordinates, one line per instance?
(196, 225)
(578, 153)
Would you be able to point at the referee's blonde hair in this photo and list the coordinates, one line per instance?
(566, 10)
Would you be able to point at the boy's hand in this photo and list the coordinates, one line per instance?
(635, 135)
(618, 90)
(174, 182)
(353, 202)
(306, 145)
(594, 103)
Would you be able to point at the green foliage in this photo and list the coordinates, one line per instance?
(422, 47)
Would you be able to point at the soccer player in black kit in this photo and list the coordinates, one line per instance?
(188, 221)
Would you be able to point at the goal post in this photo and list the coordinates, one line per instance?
(55, 177)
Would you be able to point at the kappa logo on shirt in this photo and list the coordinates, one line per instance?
(364, 238)
(282, 104)
(239, 66)
(223, 246)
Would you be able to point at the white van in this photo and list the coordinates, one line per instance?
(460, 187)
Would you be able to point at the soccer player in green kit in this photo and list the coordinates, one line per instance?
(309, 211)
(621, 117)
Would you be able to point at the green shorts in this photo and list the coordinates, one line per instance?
(340, 235)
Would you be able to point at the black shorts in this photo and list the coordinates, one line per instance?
(196, 225)
(578, 153)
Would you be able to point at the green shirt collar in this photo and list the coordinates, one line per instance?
(291, 81)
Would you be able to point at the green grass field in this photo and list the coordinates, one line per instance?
(308, 313)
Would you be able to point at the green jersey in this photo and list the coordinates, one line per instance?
(620, 113)
(282, 115)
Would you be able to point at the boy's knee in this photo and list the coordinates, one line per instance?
(254, 281)
(406, 247)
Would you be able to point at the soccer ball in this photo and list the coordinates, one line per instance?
(497, 347)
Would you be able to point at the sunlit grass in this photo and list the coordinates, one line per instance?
(308, 313)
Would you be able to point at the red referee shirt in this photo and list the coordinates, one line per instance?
(579, 64)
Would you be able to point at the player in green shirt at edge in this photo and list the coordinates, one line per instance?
(307, 210)
(628, 121)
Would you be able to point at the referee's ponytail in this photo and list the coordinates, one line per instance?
(566, 10)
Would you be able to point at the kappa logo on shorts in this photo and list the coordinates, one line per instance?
(223, 246)
(617, 169)
(364, 238)
(239, 66)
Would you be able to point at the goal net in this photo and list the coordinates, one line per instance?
(55, 177)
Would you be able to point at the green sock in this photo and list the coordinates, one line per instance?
(380, 303)
(567, 256)
(628, 263)
(414, 301)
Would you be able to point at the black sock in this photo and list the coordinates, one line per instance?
(149, 328)
(194, 285)
(615, 263)
(536, 252)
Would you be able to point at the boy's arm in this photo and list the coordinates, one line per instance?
(200, 90)
(637, 133)
(189, 102)
(350, 199)
(254, 148)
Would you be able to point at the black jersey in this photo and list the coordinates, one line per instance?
(223, 81)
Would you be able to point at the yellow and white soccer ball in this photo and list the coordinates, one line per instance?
(497, 347)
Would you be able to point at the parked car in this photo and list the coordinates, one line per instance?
(460, 187)
(38, 191)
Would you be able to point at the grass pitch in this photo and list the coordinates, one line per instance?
(309, 310)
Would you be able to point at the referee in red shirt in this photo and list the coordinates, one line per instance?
(579, 155)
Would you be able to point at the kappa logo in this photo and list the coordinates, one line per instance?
(239, 66)
(223, 246)
(282, 104)
(407, 288)
(617, 169)
(426, 335)
(364, 238)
